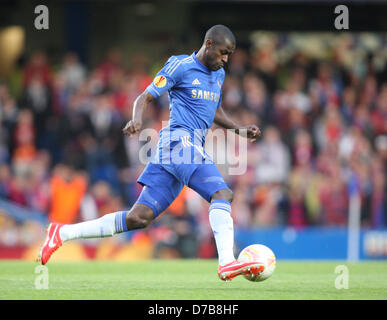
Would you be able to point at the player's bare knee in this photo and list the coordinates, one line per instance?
(139, 217)
(134, 221)
(224, 194)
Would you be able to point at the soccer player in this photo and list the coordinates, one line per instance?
(194, 84)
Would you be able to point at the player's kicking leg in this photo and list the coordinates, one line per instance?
(138, 217)
(222, 225)
(208, 182)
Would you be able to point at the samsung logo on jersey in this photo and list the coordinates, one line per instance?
(206, 95)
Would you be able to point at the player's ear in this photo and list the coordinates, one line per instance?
(209, 43)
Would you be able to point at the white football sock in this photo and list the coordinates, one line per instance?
(106, 226)
(223, 227)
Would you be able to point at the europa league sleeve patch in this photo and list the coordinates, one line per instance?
(160, 81)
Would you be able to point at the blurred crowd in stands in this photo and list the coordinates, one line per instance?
(324, 125)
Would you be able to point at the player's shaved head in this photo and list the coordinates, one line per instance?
(220, 34)
(219, 43)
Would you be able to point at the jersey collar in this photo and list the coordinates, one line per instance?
(201, 65)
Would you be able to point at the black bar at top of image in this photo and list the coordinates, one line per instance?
(289, 15)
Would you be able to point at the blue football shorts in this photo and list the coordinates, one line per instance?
(163, 181)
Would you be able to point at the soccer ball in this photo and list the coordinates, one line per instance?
(259, 253)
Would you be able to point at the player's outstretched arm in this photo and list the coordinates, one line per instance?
(221, 119)
(139, 106)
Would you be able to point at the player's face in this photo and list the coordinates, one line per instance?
(218, 54)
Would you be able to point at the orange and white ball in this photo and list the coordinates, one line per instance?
(262, 254)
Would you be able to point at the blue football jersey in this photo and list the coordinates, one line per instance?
(195, 93)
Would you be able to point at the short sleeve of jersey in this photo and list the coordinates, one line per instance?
(221, 85)
(167, 77)
(220, 100)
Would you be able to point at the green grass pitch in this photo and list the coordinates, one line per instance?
(189, 280)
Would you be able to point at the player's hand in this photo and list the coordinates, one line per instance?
(132, 127)
(252, 131)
